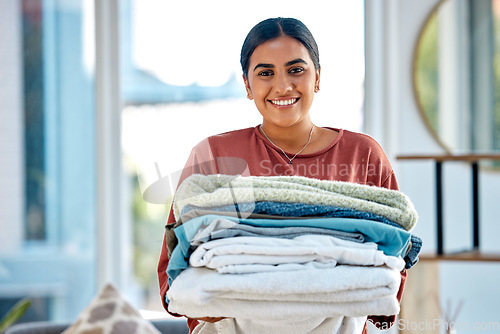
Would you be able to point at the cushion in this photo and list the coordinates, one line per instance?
(110, 313)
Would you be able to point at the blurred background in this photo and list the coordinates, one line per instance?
(100, 99)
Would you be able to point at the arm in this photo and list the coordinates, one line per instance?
(200, 161)
(387, 321)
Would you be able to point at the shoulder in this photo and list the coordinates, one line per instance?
(224, 153)
(360, 139)
(226, 142)
(239, 135)
(362, 149)
(360, 143)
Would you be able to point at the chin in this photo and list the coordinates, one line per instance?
(287, 121)
(286, 124)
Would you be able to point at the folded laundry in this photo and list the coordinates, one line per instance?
(411, 258)
(311, 325)
(302, 249)
(279, 210)
(284, 209)
(259, 268)
(219, 190)
(224, 228)
(391, 240)
(172, 239)
(351, 291)
(278, 310)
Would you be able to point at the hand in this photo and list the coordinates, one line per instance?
(210, 319)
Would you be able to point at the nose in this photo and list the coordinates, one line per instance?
(283, 84)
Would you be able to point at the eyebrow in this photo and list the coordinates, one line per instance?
(290, 63)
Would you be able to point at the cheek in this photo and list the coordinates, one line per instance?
(260, 90)
(309, 83)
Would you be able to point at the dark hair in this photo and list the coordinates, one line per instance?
(273, 28)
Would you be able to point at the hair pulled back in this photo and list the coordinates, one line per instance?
(273, 28)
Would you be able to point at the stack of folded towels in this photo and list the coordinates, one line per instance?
(288, 251)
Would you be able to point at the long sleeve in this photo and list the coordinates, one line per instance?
(200, 161)
(384, 322)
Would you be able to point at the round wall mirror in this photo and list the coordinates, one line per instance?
(456, 75)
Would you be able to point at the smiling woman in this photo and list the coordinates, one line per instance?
(281, 72)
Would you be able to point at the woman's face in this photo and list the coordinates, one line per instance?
(281, 80)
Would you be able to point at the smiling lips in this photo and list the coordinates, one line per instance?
(284, 102)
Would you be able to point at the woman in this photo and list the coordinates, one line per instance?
(281, 71)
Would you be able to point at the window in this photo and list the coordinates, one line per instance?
(47, 107)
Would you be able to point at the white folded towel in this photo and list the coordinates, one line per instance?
(274, 251)
(279, 310)
(314, 325)
(344, 290)
(259, 268)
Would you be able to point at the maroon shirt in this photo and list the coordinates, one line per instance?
(351, 157)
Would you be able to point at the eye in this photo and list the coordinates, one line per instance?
(296, 70)
(265, 73)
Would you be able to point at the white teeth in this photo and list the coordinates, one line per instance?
(284, 102)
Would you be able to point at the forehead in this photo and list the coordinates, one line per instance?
(279, 51)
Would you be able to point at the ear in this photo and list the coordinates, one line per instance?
(247, 87)
(318, 75)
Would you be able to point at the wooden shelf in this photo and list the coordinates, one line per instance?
(473, 160)
(462, 256)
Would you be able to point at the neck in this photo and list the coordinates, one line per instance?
(291, 139)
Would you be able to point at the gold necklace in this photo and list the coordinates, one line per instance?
(286, 155)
